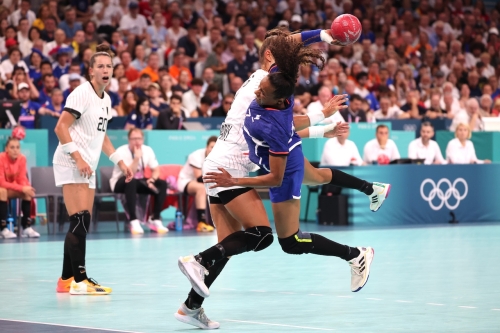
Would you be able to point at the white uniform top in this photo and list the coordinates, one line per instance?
(186, 175)
(373, 150)
(231, 149)
(336, 154)
(458, 154)
(430, 153)
(88, 130)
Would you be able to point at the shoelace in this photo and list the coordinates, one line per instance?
(94, 282)
(203, 317)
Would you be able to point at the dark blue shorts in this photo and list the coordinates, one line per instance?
(292, 181)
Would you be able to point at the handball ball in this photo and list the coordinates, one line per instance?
(18, 132)
(346, 29)
(383, 159)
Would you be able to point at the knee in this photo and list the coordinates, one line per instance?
(80, 223)
(298, 243)
(259, 238)
(131, 184)
(3, 194)
(161, 185)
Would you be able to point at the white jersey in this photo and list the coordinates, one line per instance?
(231, 149)
(186, 175)
(92, 114)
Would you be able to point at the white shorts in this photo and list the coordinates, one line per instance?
(210, 166)
(66, 175)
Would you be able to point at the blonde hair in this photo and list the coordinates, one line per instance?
(467, 127)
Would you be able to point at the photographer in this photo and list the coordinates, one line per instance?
(137, 157)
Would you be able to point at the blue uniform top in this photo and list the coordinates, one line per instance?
(28, 113)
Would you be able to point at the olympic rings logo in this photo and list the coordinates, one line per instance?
(450, 191)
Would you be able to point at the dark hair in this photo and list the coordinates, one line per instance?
(177, 97)
(141, 101)
(75, 62)
(212, 87)
(381, 126)
(355, 97)
(288, 55)
(145, 76)
(31, 29)
(213, 138)
(361, 75)
(101, 50)
(14, 49)
(206, 100)
(427, 123)
(11, 138)
(135, 129)
(46, 76)
(197, 82)
(45, 62)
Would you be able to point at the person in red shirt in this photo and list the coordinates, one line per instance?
(14, 183)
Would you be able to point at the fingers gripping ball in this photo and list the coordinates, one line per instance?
(346, 29)
(19, 132)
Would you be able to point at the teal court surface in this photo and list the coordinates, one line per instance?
(442, 278)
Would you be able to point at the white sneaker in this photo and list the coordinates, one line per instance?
(30, 233)
(6, 233)
(196, 318)
(380, 193)
(360, 268)
(135, 227)
(157, 226)
(195, 274)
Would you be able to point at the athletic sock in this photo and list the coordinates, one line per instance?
(194, 300)
(233, 244)
(201, 215)
(342, 179)
(326, 247)
(75, 246)
(3, 214)
(26, 210)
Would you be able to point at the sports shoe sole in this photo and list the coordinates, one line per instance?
(386, 196)
(193, 284)
(368, 265)
(191, 321)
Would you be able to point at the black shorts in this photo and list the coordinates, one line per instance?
(225, 197)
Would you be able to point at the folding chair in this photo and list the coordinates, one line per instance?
(104, 191)
(42, 179)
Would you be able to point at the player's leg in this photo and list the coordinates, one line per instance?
(28, 230)
(376, 192)
(200, 199)
(4, 231)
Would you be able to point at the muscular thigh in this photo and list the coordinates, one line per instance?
(78, 197)
(248, 210)
(224, 222)
(286, 217)
(315, 176)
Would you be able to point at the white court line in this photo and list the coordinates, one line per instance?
(495, 309)
(258, 291)
(168, 285)
(404, 301)
(14, 279)
(138, 284)
(316, 295)
(72, 326)
(281, 325)
(467, 307)
(375, 299)
(437, 304)
(345, 296)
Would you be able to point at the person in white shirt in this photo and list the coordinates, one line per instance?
(461, 150)
(385, 111)
(425, 148)
(23, 11)
(191, 182)
(133, 25)
(25, 44)
(380, 150)
(470, 116)
(137, 156)
(192, 99)
(340, 151)
(324, 95)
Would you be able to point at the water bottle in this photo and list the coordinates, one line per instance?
(178, 221)
(10, 223)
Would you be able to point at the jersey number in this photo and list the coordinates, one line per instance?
(224, 131)
(103, 122)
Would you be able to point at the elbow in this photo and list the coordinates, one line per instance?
(277, 181)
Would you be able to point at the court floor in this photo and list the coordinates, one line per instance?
(424, 279)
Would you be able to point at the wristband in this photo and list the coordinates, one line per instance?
(69, 148)
(326, 37)
(115, 157)
(316, 132)
(311, 36)
(315, 117)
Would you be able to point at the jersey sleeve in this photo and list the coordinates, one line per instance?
(277, 139)
(195, 161)
(76, 103)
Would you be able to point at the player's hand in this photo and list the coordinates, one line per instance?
(83, 168)
(327, 37)
(337, 130)
(29, 191)
(335, 104)
(220, 179)
(126, 171)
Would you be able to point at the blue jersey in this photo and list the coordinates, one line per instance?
(28, 113)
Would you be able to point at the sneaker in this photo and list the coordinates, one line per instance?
(195, 273)
(360, 268)
(135, 227)
(196, 318)
(88, 287)
(6, 233)
(63, 286)
(157, 226)
(30, 233)
(203, 227)
(380, 193)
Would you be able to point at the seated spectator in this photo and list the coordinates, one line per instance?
(143, 86)
(19, 76)
(156, 102)
(24, 11)
(15, 184)
(173, 118)
(128, 103)
(340, 151)
(213, 93)
(380, 150)
(69, 24)
(131, 73)
(235, 84)
(191, 182)
(214, 61)
(56, 104)
(385, 111)
(324, 95)
(362, 79)
(485, 103)
(183, 83)
(35, 60)
(141, 117)
(138, 157)
(469, 116)
(74, 68)
(461, 150)
(222, 110)
(239, 66)
(49, 83)
(434, 110)
(354, 113)
(192, 98)
(153, 66)
(7, 66)
(157, 35)
(496, 108)
(413, 108)
(133, 25)
(178, 66)
(203, 111)
(425, 148)
(139, 62)
(74, 81)
(30, 109)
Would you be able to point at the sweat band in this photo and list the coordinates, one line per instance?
(115, 158)
(315, 117)
(311, 36)
(69, 148)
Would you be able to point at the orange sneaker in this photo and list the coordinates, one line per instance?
(63, 286)
(88, 287)
(203, 227)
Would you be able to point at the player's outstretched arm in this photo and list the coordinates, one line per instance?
(315, 36)
(109, 150)
(328, 131)
(336, 103)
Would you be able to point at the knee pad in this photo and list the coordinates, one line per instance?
(298, 243)
(258, 238)
(80, 223)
